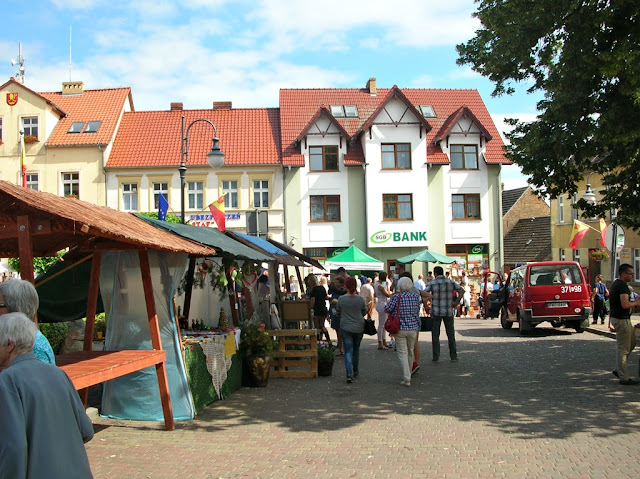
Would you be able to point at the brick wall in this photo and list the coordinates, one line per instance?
(528, 206)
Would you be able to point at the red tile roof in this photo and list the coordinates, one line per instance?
(298, 106)
(152, 138)
(105, 106)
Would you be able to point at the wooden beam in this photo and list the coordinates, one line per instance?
(156, 342)
(186, 307)
(25, 247)
(10, 230)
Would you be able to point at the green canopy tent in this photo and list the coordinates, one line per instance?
(426, 256)
(354, 259)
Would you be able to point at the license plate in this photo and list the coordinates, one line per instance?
(557, 304)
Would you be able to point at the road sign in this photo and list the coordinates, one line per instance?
(620, 237)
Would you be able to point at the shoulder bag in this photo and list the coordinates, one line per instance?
(392, 324)
(370, 327)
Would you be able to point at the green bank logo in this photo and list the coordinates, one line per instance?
(384, 236)
(477, 249)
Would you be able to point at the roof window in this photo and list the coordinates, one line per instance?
(344, 111)
(92, 127)
(76, 127)
(427, 111)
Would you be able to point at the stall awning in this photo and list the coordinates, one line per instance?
(302, 257)
(354, 259)
(226, 246)
(263, 245)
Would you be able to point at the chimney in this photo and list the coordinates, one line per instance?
(222, 105)
(176, 106)
(72, 88)
(371, 86)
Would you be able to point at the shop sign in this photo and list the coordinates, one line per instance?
(207, 220)
(478, 249)
(396, 237)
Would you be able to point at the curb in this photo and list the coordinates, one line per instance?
(600, 332)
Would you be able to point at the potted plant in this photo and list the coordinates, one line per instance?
(326, 355)
(30, 139)
(598, 254)
(257, 344)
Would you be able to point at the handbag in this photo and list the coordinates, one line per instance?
(370, 327)
(426, 323)
(392, 324)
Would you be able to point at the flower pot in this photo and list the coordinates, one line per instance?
(325, 368)
(258, 367)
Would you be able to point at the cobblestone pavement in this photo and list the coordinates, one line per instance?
(540, 406)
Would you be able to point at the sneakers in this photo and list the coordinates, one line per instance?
(629, 382)
(349, 379)
(615, 373)
(415, 368)
(405, 383)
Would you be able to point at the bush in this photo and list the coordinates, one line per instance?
(56, 333)
(326, 352)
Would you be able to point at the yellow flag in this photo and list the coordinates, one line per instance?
(577, 233)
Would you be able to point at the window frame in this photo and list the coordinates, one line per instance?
(1, 130)
(561, 254)
(30, 182)
(130, 194)
(74, 128)
(261, 190)
(561, 209)
(395, 156)
(397, 203)
(153, 201)
(325, 204)
(466, 203)
(325, 153)
(29, 130)
(70, 182)
(92, 126)
(195, 194)
(232, 193)
(464, 154)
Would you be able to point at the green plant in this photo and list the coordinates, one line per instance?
(40, 264)
(326, 352)
(56, 333)
(171, 218)
(255, 340)
(100, 325)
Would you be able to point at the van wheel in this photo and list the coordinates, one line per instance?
(522, 324)
(581, 325)
(556, 324)
(504, 319)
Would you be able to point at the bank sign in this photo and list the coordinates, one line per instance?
(386, 238)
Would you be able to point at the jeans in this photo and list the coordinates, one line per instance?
(626, 339)
(451, 336)
(404, 344)
(351, 342)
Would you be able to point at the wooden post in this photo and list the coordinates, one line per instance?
(186, 307)
(300, 282)
(25, 248)
(286, 278)
(156, 342)
(92, 304)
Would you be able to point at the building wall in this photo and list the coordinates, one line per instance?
(529, 205)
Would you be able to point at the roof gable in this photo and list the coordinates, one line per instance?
(511, 197)
(13, 83)
(454, 119)
(322, 112)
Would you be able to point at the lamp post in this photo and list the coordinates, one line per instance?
(215, 156)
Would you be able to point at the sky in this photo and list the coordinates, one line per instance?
(200, 51)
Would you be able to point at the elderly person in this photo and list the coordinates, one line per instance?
(19, 296)
(43, 423)
(351, 310)
(408, 305)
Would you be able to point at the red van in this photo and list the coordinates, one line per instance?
(554, 291)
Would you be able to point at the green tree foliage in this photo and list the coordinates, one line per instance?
(584, 55)
(40, 264)
(171, 218)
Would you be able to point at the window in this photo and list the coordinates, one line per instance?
(323, 158)
(32, 181)
(71, 184)
(325, 208)
(195, 195)
(351, 111)
(337, 111)
(560, 209)
(159, 188)
(0, 130)
(92, 127)
(396, 156)
(397, 207)
(230, 187)
(344, 111)
(76, 127)
(574, 210)
(30, 126)
(465, 207)
(427, 111)
(636, 264)
(320, 253)
(561, 255)
(130, 196)
(576, 255)
(464, 157)
(260, 193)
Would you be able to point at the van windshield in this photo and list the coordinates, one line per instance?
(555, 274)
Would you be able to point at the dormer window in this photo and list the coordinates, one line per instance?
(92, 126)
(427, 111)
(76, 127)
(344, 111)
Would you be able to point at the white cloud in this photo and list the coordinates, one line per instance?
(498, 120)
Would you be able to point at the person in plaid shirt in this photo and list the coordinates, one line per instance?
(442, 306)
(409, 305)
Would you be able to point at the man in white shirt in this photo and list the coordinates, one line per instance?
(367, 292)
(419, 283)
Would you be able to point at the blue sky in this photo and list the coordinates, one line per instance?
(200, 51)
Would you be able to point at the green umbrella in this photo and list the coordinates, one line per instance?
(426, 256)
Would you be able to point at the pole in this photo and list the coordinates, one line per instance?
(182, 169)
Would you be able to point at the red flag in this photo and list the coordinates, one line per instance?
(577, 233)
(603, 230)
(217, 211)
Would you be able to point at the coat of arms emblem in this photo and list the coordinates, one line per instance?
(12, 99)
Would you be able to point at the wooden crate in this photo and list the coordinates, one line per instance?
(295, 363)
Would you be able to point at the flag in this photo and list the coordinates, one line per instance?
(217, 211)
(577, 233)
(23, 167)
(163, 207)
(603, 230)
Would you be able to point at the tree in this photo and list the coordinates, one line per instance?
(584, 55)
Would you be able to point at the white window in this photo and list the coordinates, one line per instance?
(230, 187)
(560, 209)
(71, 184)
(0, 130)
(576, 255)
(574, 209)
(561, 255)
(160, 189)
(30, 126)
(260, 193)
(32, 181)
(636, 264)
(130, 196)
(195, 195)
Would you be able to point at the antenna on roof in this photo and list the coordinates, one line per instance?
(20, 63)
(69, 52)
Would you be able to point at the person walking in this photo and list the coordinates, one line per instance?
(368, 294)
(441, 291)
(43, 423)
(318, 297)
(599, 293)
(351, 310)
(382, 294)
(621, 307)
(407, 305)
(337, 289)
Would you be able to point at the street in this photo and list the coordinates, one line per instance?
(540, 406)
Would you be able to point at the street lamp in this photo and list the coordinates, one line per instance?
(215, 157)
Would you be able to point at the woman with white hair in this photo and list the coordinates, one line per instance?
(408, 305)
(19, 296)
